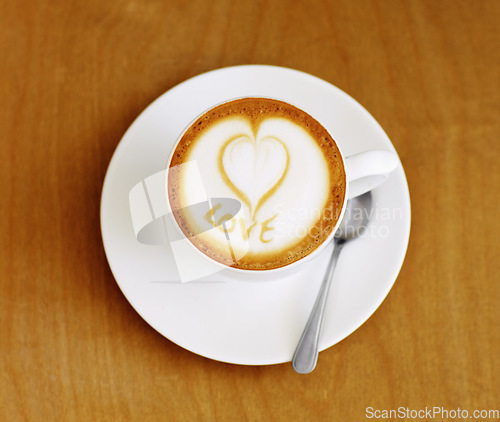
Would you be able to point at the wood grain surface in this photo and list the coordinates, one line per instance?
(74, 75)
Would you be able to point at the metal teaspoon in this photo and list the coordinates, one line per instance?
(354, 222)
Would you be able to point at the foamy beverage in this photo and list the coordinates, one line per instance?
(279, 162)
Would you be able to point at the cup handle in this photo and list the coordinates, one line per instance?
(367, 170)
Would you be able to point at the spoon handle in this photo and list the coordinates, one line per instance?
(306, 355)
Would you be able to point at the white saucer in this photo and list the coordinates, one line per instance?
(238, 321)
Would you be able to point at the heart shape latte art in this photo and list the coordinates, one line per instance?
(253, 168)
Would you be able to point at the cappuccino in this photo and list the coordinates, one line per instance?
(279, 162)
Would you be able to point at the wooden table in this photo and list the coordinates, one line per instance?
(74, 75)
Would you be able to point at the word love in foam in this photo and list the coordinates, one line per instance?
(253, 168)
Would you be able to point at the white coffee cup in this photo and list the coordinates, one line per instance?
(149, 203)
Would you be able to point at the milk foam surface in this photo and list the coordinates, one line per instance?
(289, 179)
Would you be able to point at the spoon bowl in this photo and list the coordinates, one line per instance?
(356, 217)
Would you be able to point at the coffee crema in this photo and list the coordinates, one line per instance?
(279, 162)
